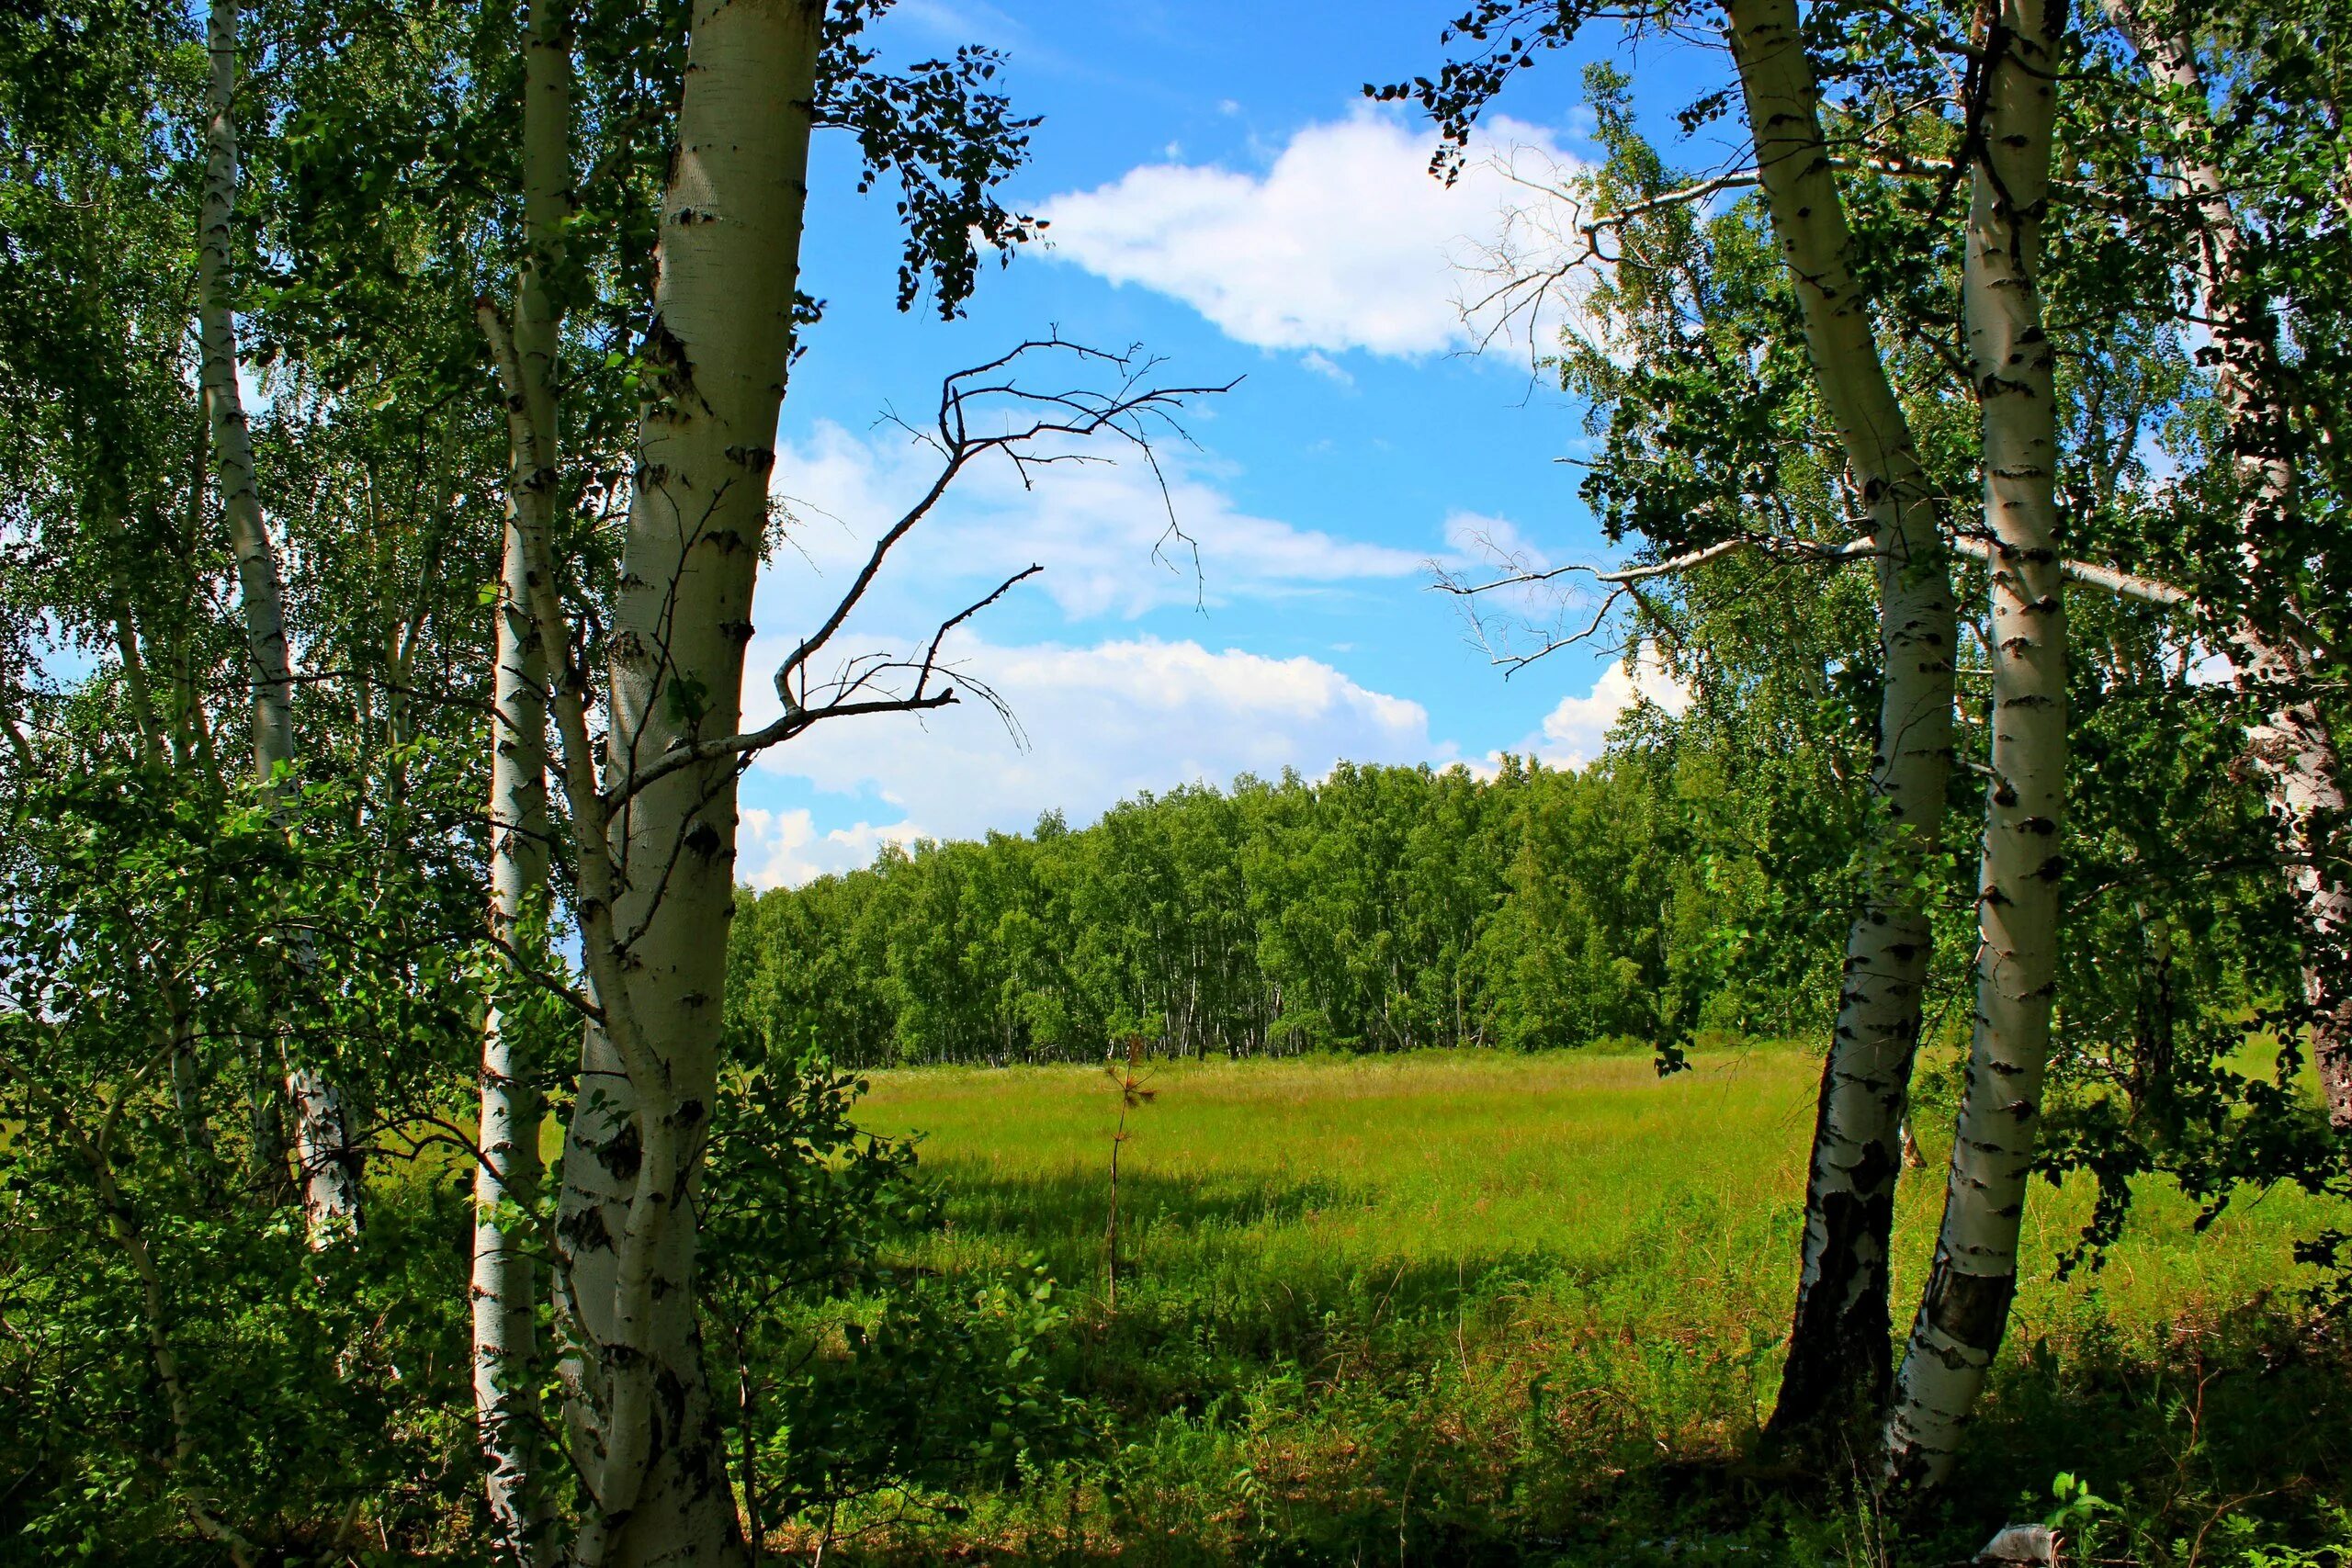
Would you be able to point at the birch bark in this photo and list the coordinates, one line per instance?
(506, 1178)
(1839, 1347)
(2293, 748)
(1965, 1307)
(640, 1406)
(329, 1162)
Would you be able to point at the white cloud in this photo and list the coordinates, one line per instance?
(783, 849)
(1101, 529)
(1323, 363)
(1577, 731)
(1346, 242)
(1101, 722)
(1476, 539)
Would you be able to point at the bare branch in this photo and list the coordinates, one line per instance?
(1033, 419)
(796, 718)
(1622, 584)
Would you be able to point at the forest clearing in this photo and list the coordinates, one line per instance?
(1472, 1306)
(926, 781)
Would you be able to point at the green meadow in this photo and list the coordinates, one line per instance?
(1467, 1306)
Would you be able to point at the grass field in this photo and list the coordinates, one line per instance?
(1507, 1308)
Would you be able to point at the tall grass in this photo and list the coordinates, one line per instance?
(1466, 1306)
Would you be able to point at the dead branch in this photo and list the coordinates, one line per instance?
(1035, 428)
(1624, 582)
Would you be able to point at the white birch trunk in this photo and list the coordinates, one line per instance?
(326, 1154)
(329, 1162)
(507, 1178)
(2293, 748)
(1839, 1347)
(261, 599)
(641, 1405)
(1965, 1307)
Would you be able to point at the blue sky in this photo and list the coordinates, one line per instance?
(1220, 194)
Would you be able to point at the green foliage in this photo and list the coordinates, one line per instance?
(174, 1347)
(1381, 909)
(165, 955)
(854, 1375)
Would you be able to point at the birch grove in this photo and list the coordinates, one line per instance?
(421, 1144)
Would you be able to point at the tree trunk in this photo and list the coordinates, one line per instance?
(187, 1075)
(506, 1179)
(2293, 748)
(1965, 1307)
(720, 339)
(260, 597)
(330, 1161)
(1840, 1345)
(325, 1154)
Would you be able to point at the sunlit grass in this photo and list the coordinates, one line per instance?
(1591, 1163)
(1494, 1283)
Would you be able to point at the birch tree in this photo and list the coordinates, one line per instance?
(637, 1405)
(328, 1159)
(1838, 1356)
(2292, 747)
(649, 802)
(506, 1283)
(653, 895)
(1965, 1307)
(1839, 1361)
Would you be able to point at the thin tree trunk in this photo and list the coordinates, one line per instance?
(506, 1179)
(187, 1075)
(330, 1161)
(1965, 1307)
(641, 1402)
(2293, 748)
(1840, 1345)
(261, 599)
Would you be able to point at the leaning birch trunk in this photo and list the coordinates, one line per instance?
(330, 1165)
(2293, 748)
(1965, 1307)
(719, 343)
(506, 1175)
(1839, 1348)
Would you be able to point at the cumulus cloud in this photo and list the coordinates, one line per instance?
(1344, 243)
(1101, 722)
(1577, 731)
(1103, 530)
(1478, 539)
(784, 849)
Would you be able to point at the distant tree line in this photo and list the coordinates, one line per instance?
(1380, 908)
